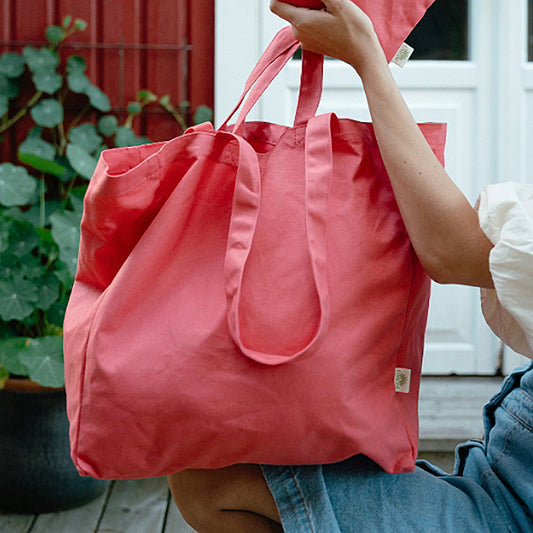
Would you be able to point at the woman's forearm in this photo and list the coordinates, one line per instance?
(442, 225)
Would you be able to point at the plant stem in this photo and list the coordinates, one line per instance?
(77, 119)
(179, 119)
(42, 203)
(15, 118)
(69, 190)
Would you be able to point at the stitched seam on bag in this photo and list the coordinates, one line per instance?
(90, 336)
(412, 444)
(191, 154)
(155, 174)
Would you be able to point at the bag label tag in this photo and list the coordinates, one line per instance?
(402, 380)
(403, 55)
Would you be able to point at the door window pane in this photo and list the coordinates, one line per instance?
(443, 32)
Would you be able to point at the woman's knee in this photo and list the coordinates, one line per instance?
(201, 495)
(195, 496)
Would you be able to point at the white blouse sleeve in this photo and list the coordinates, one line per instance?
(506, 216)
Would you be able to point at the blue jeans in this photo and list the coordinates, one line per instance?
(490, 490)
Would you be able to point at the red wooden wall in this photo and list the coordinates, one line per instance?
(165, 46)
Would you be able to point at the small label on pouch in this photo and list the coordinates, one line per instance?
(402, 380)
(403, 55)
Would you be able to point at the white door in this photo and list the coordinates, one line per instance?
(472, 94)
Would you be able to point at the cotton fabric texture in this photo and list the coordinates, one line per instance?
(491, 488)
(246, 295)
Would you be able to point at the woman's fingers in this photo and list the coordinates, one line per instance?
(341, 30)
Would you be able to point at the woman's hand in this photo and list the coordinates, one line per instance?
(342, 30)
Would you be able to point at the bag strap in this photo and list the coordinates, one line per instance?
(246, 200)
(275, 57)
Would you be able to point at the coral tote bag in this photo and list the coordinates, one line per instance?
(246, 295)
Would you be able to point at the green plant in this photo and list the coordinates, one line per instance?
(41, 199)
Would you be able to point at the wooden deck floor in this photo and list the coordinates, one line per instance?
(126, 507)
(450, 412)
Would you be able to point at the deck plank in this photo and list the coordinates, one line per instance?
(136, 507)
(15, 523)
(175, 523)
(82, 519)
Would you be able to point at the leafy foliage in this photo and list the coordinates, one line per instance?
(41, 195)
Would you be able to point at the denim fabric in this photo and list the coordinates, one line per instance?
(490, 490)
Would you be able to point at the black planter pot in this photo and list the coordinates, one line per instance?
(36, 472)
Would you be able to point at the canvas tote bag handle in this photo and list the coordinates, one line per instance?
(275, 57)
(246, 201)
(319, 169)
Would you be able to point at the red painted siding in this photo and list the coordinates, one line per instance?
(166, 46)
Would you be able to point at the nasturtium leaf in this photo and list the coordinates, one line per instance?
(9, 88)
(66, 233)
(17, 298)
(55, 34)
(203, 114)
(76, 64)
(81, 161)
(10, 350)
(33, 144)
(69, 171)
(5, 225)
(108, 125)
(31, 268)
(86, 137)
(4, 86)
(77, 202)
(47, 245)
(44, 359)
(23, 238)
(13, 88)
(64, 275)
(98, 98)
(165, 102)
(48, 113)
(11, 64)
(146, 96)
(41, 164)
(4, 105)
(126, 137)
(66, 21)
(80, 24)
(33, 214)
(48, 292)
(134, 108)
(37, 58)
(5, 332)
(77, 81)
(66, 228)
(17, 187)
(35, 133)
(56, 313)
(47, 80)
(9, 265)
(15, 213)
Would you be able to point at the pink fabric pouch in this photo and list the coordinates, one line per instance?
(393, 19)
